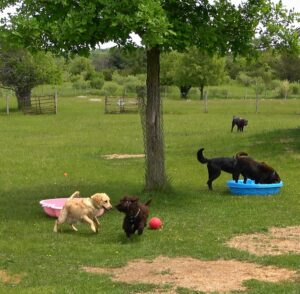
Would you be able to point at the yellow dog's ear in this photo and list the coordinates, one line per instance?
(99, 196)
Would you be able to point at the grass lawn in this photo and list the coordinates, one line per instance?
(36, 151)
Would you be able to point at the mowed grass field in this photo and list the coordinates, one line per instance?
(36, 151)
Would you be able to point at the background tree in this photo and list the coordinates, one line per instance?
(194, 68)
(21, 71)
(235, 65)
(287, 67)
(204, 69)
(162, 25)
(174, 71)
(258, 71)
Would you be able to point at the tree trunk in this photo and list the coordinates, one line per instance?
(154, 141)
(23, 98)
(201, 88)
(184, 90)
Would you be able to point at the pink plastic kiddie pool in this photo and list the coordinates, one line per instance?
(52, 207)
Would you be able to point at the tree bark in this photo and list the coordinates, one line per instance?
(23, 98)
(201, 88)
(155, 164)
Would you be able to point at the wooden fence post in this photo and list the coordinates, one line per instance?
(7, 104)
(55, 100)
(205, 102)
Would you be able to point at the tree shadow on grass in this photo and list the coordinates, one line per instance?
(26, 204)
(276, 142)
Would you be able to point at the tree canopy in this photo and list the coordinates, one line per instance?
(21, 71)
(193, 68)
(169, 24)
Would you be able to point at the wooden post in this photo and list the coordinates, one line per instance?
(205, 102)
(7, 104)
(257, 98)
(55, 100)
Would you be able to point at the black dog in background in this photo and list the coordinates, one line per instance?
(218, 164)
(260, 172)
(239, 122)
(136, 214)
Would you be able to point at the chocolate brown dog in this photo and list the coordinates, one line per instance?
(136, 214)
(218, 164)
(260, 172)
(239, 122)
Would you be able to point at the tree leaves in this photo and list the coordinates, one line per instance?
(170, 24)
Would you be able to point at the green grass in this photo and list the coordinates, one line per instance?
(36, 151)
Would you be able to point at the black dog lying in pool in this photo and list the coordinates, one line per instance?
(260, 172)
(218, 164)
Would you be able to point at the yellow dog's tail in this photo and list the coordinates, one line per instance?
(75, 195)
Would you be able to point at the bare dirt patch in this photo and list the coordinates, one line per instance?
(123, 156)
(95, 100)
(276, 241)
(5, 278)
(194, 274)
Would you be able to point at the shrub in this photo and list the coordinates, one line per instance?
(274, 84)
(193, 93)
(108, 74)
(112, 89)
(218, 93)
(81, 83)
(117, 78)
(244, 79)
(130, 84)
(97, 80)
(284, 89)
(295, 89)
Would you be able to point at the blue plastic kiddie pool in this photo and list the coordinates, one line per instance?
(250, 188)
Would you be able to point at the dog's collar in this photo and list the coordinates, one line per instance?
(136, 215)
(133, 217)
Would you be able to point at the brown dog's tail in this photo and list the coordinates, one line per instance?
(201, 157)
(148, 202)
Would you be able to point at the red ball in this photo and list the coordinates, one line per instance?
(155, 223)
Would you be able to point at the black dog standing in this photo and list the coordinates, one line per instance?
(218, 164)
(136, 214)
(240, 123)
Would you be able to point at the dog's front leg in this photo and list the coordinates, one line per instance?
(90, 222)
(55, 227)
(140, 228)
(96, 222)
(235, 176)
(127, 227)
(74, 228)
(232, 126)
